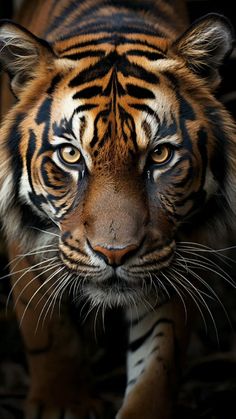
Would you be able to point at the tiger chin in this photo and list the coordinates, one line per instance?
(117, 165)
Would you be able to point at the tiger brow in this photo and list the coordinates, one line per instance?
(64, 128)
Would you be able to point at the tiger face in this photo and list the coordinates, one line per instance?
(115, 155)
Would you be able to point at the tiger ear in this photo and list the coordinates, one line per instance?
(205, 45)
(21, 53)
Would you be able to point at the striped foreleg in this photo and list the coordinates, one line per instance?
(157, 342)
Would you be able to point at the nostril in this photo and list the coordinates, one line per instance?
(115, 256)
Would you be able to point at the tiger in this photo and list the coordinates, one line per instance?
(117, 159)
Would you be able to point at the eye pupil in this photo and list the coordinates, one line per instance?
(69, 154)
(161, 154)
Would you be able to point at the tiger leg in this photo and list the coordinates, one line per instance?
(156, 349)
(59, 376)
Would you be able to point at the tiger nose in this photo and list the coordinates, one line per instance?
(115, 256)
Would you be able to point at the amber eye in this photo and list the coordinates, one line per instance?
(70, 154)
(161, 154)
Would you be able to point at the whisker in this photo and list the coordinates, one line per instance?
(201, 257)
(206, 249)
(32, 267)
(204, 266)
(60, 289)
(49, 298)
(202, 281)
(180, 295)
(54, 286)
(31, 281)
(162, 285)
(201, 299)
(50, 233)
(36, 292)
(25, 271)
(29, 253)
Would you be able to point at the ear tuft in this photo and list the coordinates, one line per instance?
(20, 53)
(205, 45)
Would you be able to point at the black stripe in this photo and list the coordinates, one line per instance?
(78, 263)
(185, 108)
(119, 39)
(139, 92)
(133, 346)
(29, 155)
(131, 382)
(67, 11)
(54, 84)
(84, 54)
(13, 143)
(83, 108)
(65, 177)
(188, 176)
(219, 159)
(76, 249)
(63, 128)
(29, 218)
(88, 92)
(167, 128)
(139, 362)
(110, 28)
(96, 71)
(202, 146)
(128, 122)
(43, 114)
(145, 108)
(100, 115)
(152, 56)
(172, 78)
(130, 69)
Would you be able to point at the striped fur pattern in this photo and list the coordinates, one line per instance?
(115, 150)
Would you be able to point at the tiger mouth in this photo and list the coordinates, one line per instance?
(125, 284)
(116, 290)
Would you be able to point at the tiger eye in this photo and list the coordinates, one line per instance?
(70, 154)
(161, 154)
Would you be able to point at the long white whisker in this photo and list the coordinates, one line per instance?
(202, 281)
(21, 256)
(180, 295)
(203, 266)
(50, 233)
(201, 299)
(33, 280)
(60, 289)
(36, 292)
(26, 270)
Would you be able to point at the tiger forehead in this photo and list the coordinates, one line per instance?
(124, 106)
(128, 127)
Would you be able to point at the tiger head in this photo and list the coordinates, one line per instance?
(116, 150)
